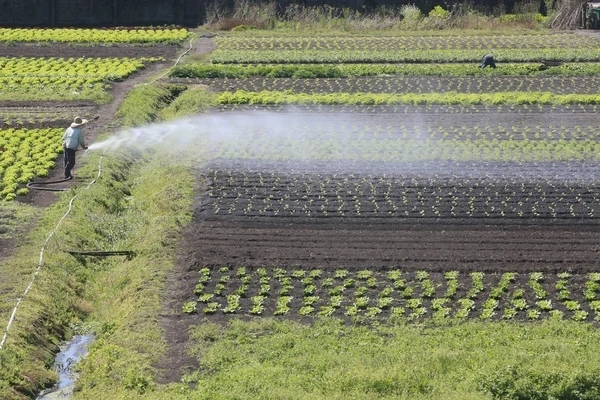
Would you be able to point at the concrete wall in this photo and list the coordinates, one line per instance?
(48, 13)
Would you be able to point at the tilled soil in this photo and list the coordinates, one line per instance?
(67, 51)
(406, 245)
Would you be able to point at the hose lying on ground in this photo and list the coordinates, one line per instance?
(48, 189)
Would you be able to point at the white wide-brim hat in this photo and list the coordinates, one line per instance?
(78, 121)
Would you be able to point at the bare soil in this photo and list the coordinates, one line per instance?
(67, 51)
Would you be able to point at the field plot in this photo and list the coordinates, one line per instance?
(555, 41)
(400, 56)
(63, 35)
(24, 116)
(376, 293)
(26, 154)
(555, 85)
(51, 82)
(63, 79)
(478, 188)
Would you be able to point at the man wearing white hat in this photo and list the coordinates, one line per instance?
(71, 140)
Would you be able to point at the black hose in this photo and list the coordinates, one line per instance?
(29, 186)
(128, 254)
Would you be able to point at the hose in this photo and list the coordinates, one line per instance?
(128, 254)
(48, 189)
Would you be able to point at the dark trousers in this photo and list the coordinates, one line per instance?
(488, 60)
(69, 161)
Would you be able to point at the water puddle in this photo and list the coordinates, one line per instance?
(73, 351)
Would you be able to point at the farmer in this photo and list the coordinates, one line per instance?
(71, 140)
(488, 59)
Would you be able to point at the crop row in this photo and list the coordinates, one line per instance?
(25, 154)
(405, 195)
(355, 135)
(347, 70)
(35, 89)
(421, 85)
(535, 110)
(407, 42)
(400, 56)
(395, 293)
(40, 116)
(166, 36)
(111, 69)
(266, 97)
(400, 150)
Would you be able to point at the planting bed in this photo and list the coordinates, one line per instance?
(421, 189)
(389, 292)
(104, 51)
(47, 116)
(484, 43)
(401, 56)
(536, 111)
(429, 84)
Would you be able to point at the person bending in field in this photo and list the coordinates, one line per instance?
(71, 141)
(488, 59)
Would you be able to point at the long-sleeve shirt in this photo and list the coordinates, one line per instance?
(73, 138)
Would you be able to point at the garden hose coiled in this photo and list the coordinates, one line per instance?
(48, 189)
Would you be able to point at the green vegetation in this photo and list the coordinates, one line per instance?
(143, 103)
(132, 35)
(194, 100)
(266, 358)
(392, 294)
(275, 98)
(23, 79)
(94, 69)
(349, 70)
(14, 217)
(140, 208)
(149, 103)
(26, 154)
(400, 56)
(384, 20)
(58, 89)
(409, 42)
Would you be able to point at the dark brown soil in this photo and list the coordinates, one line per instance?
(68, 51)
(406, 245)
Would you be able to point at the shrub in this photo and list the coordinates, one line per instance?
(410, 12)
(439, 12)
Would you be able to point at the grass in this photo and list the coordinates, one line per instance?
(193, 101)
(143, 103)
(13, 217)
(268, 358)
(142, 206)
(332, 360)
